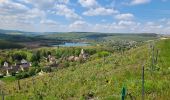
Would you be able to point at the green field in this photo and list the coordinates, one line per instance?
(102, 79)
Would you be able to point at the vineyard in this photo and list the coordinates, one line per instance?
(102, 77)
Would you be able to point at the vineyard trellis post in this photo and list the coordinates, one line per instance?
(156, 59)
(33, 82)
(18, 82)
(143, 80)
(153, 60)
(3, 95)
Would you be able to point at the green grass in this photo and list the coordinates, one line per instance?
(164, 53)
(103, 80)
(8, 79)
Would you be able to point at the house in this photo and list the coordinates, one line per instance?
(6, 68)
(10, 69)
(83, 55)
(25, 65)
(23, 61)
(71, 58)
(51, 59)
(6, 64)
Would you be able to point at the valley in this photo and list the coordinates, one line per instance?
(96, 71)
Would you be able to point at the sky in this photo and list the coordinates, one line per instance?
(113, 16)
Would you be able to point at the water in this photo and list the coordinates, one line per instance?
(72, 44)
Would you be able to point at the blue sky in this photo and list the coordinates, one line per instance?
(86, 15)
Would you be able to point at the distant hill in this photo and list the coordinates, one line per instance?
(17, 32)
(9, 45)
(99, 36)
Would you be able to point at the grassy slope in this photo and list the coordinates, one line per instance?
(103, 80)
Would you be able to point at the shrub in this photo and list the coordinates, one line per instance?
(59, 53)
(35, 64)
(1, 75)
(13, 73)
(103, 54)
(64, 64)
(47, 69)
(22, 75)
(32, 71)
(90, 51)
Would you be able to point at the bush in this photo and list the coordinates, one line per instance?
(22, 75)
(59, 53)
(64, 64)
(1, 75)
(13, 73)
(47, 69)
(103, 54)
(32, 71)
(90, 51)
(35, 64)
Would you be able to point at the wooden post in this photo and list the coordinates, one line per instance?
(143, 90)
(33, 83)
(153, 60)
(3, 96)
(156, 59)
(19, 87)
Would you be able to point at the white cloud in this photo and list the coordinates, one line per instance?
(95, 9)
(35, 13)
(58, 7)
(63, 1)
(63, 10)
(48, 22)
(100, 11)
(127, 16)
(43, 4)
(79, 25)
(10, 7)
(88, 3)
(137, 2)
(126, 23)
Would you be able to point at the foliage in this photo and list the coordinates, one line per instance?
(91, 81)
(22, 75)
(103, 54)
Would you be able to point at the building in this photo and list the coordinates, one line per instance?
(83, 55)
(8, 69)
(25, 65)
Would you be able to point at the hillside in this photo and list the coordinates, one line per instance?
(101, 36)
(102, 79)
(9, 45)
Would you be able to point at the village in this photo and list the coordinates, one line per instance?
(50, 63)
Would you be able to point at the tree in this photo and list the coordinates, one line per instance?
(18, 56)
